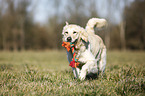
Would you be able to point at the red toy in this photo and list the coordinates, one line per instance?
(71, 47)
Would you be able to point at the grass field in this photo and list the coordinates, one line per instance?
(47, 73)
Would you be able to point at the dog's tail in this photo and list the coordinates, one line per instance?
(95, 22)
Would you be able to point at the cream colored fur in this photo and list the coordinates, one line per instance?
(90, 48)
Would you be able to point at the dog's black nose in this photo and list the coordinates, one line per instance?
(69, 39)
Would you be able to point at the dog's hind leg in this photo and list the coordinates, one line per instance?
(102, 62)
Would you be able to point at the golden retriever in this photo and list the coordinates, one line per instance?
(90, 49)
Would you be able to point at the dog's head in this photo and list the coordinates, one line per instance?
(73, 33)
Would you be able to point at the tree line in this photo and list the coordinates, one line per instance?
(19, 32)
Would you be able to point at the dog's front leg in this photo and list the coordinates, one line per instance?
(76, 72)
(85, 69)
(83, 73)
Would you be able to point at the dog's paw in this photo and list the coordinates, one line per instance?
(82, 75)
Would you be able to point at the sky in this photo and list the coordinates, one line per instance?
(43, 9)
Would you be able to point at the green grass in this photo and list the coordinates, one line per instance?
(47, 73)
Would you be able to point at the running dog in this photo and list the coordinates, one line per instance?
(89, 47)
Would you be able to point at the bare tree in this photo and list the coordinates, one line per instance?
(13, 19)
(135, 25)
(116, 5)
(22, 14)
(122, 35)
(7, 24)
(107, 34)
(122, 30)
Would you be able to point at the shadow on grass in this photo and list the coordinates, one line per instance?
(90, 76)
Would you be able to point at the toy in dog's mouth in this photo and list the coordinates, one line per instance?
(71, 47)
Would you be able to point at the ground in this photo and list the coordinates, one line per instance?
(48, 73)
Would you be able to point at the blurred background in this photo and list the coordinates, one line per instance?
(37, 24)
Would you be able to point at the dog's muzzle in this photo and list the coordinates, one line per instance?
(69, 39)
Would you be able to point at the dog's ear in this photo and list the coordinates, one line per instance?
(64, 28)
(66, 23)
(84, 35)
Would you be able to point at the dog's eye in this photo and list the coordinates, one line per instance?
(66, 32)
(74, 32)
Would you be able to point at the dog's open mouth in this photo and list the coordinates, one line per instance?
(69, 39)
